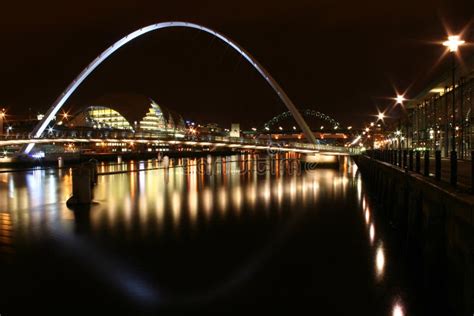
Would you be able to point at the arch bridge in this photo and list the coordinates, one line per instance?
(61, 100)
(309, 113)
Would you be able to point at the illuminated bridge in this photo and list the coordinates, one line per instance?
(42, 132)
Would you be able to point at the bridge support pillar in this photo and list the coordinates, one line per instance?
(81, 186)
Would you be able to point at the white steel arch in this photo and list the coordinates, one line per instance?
(59, 102)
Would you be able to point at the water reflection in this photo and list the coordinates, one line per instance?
(378, 250)
(397, 309)
(380, 261)
(146, 213)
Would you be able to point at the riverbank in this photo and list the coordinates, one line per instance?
(436, 225)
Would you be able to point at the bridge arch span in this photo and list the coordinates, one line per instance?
(59, 102)
(305, 113)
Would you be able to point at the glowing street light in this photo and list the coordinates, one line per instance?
(399, 99)
(280, 128)
(254, 129)
(65, 115)
(380, 116)
(453, 43)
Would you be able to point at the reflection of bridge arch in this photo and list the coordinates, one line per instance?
(306, 113)
(39, 129)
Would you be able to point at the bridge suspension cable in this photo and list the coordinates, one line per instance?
(59, 102)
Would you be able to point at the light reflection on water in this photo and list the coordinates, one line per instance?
(144, 206)
(378, 250)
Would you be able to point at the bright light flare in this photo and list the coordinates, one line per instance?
(453, 43)
(400, 99)
(381, 116)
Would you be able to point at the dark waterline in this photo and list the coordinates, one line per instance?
(232, 238)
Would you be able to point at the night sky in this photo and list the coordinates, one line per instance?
(343, 58)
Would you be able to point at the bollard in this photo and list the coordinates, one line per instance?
(119, 159)
(405, 159)
(438, 165)
(81, 186)
(417, 161)
(410, 161)
(426, 165)
(454, 168)
(400, 158)
(166, 161)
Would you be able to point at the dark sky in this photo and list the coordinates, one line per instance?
(339, 57)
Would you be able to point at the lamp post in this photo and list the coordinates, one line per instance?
(399, 99)
(453, 43)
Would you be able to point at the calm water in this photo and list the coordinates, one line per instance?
(236, 237)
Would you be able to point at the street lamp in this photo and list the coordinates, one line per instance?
(453, 43)
(399, 99)
(381, 116)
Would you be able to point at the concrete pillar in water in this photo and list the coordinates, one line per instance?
(119, 159)
(81, 186)
(60, 162)
(92, 165)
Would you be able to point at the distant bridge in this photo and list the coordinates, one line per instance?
(306, 113)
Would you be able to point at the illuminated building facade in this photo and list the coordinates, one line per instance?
(101, 117)
(428, 123)
(130, 113)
